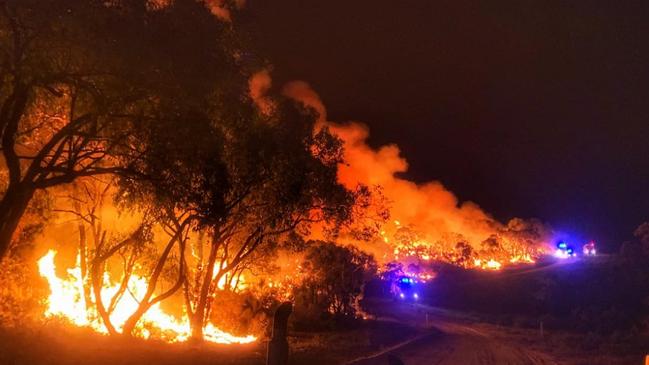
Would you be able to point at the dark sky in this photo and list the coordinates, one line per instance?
(529, 108)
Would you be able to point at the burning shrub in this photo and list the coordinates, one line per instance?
(464, 253)
(18, 293)
(333, 285)
(240, 313)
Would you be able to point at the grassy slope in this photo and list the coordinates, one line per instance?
(326, 348)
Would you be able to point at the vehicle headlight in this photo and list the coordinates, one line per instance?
(401, 295)
(416, 296)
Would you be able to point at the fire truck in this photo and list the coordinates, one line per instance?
(589, 249)
(405, 288)
(564, 250)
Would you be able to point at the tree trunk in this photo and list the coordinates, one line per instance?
(196, 324)
(83, 263)
(146, 302)
(12, 207)
(83, 251)
(198, 320)
(97, 284)
(131, 322)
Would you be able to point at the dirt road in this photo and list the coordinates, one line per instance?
(451, 341)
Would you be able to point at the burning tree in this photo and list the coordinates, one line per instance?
(244, 179)
(78, 78)
(123, 89)
(97, 247)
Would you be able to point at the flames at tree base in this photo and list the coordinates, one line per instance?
(67, 301)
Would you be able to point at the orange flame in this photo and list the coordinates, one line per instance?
(66, 300)
(441, 220)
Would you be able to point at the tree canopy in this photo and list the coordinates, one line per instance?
(157, 96)
(81, 80)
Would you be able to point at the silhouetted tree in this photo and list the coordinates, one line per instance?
(335, 276)
(280, 177)
(79, 77)
(244, 179)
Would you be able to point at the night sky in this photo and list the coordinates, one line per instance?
(529, 108)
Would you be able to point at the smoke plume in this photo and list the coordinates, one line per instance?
(429, 208)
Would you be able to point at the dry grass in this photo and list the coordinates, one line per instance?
(60, 345)
(579, 349)
(326, 348)
(57, 344)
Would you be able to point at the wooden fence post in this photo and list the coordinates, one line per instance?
(278, 345)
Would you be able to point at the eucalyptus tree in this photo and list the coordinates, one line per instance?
(281, 178)
(78, 78)
(244, 179)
